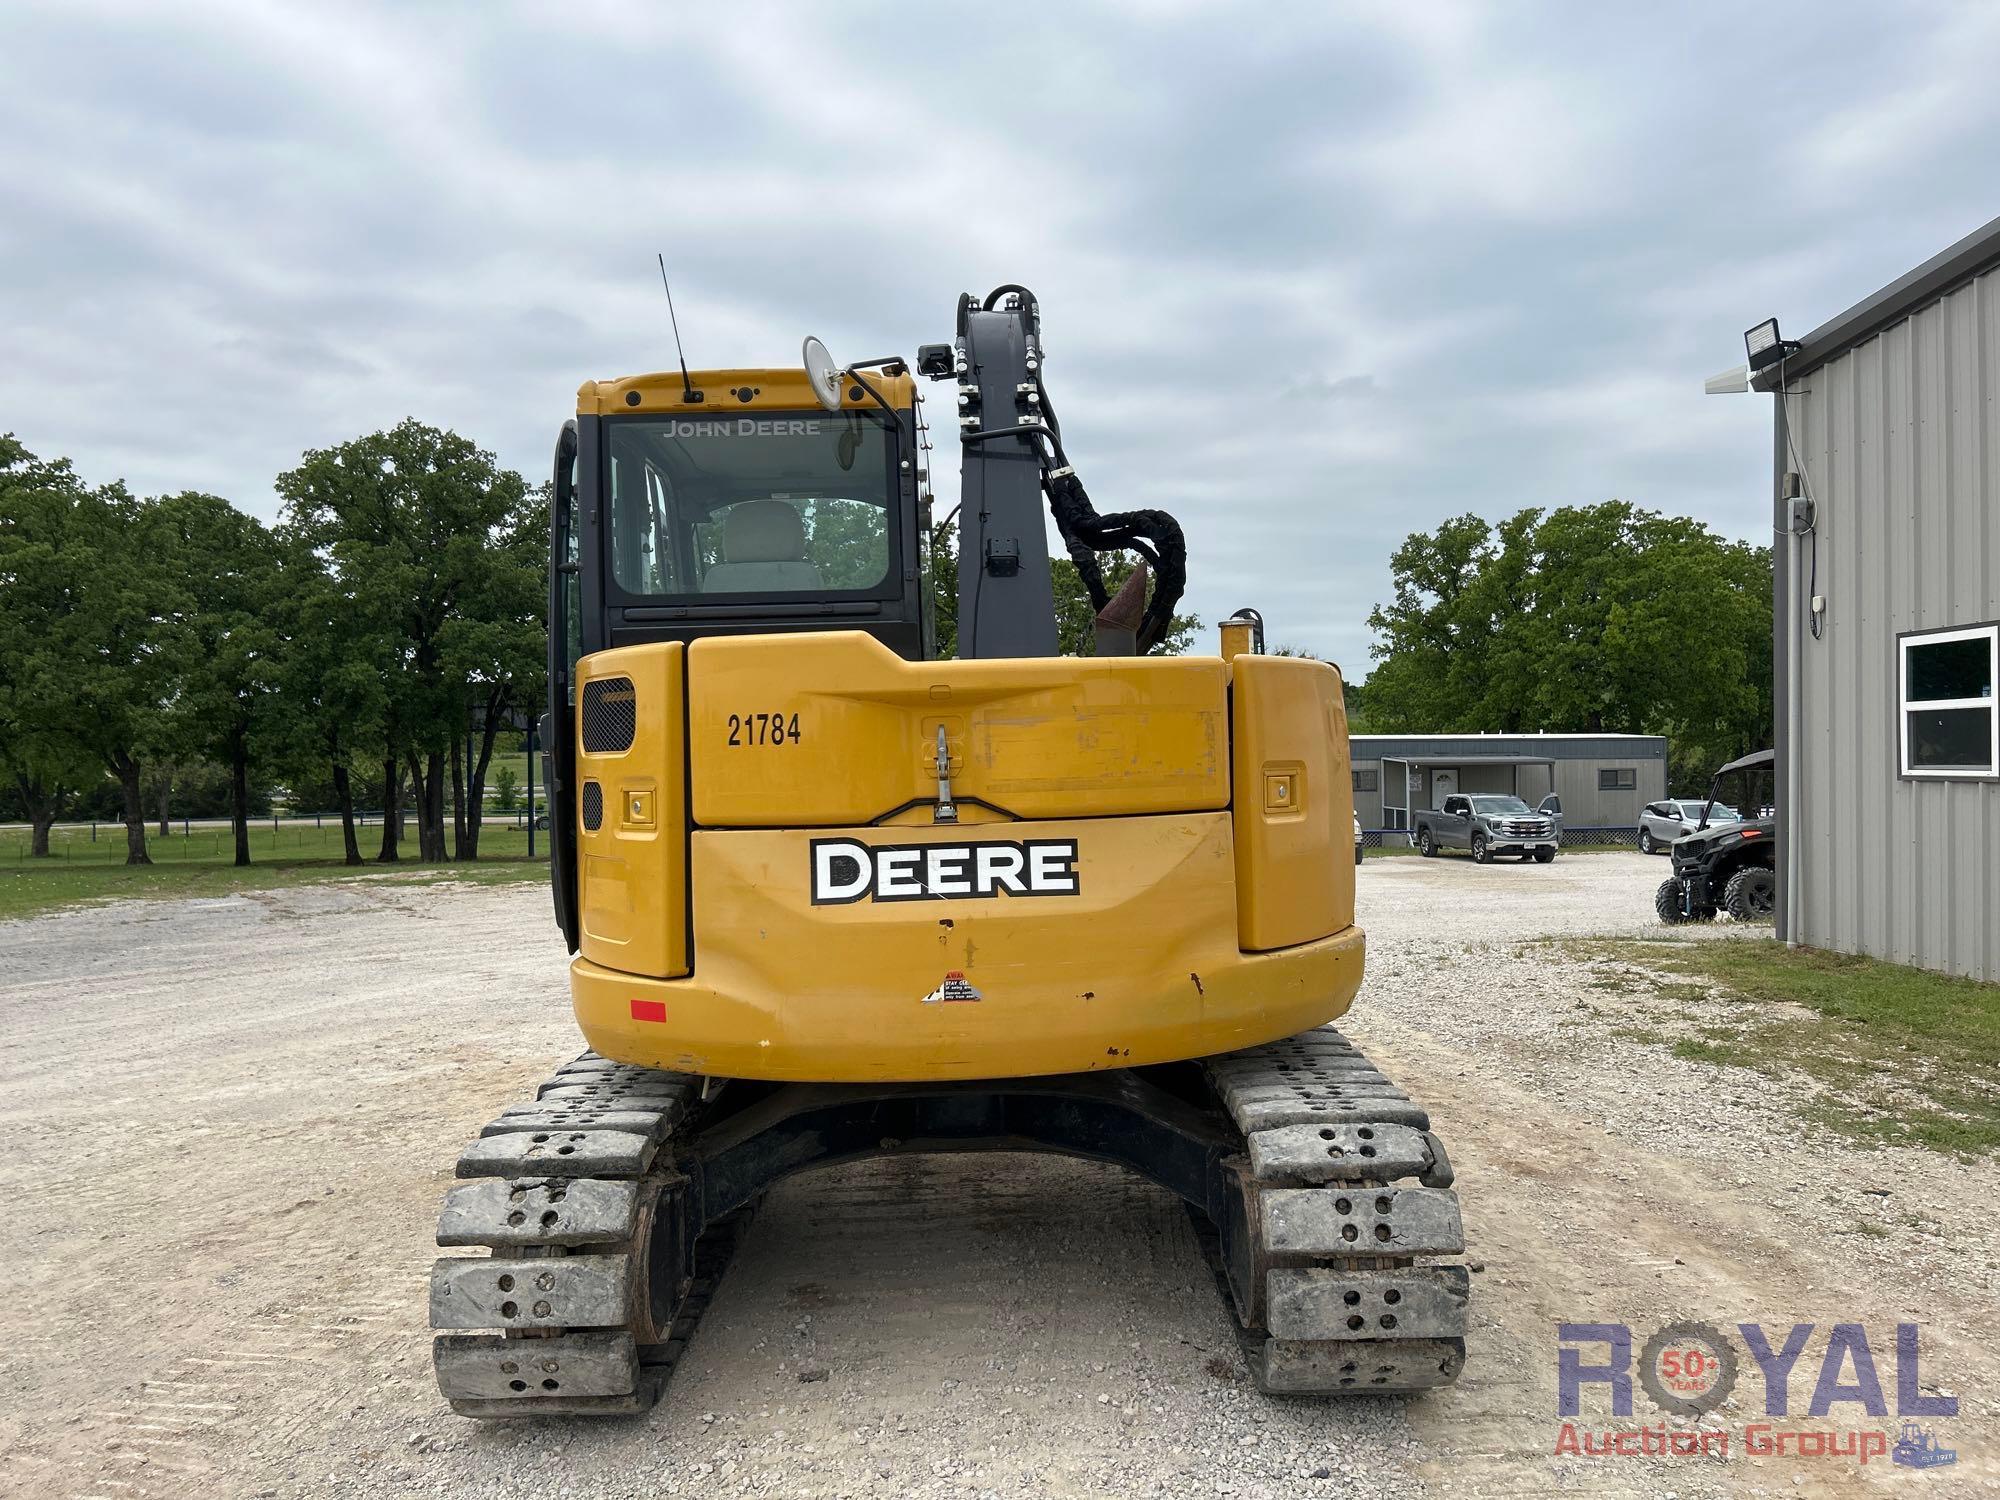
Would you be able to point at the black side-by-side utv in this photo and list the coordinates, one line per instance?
(1731, 867)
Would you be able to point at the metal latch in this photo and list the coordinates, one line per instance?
(947, 810)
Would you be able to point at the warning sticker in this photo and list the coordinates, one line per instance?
(954, 988)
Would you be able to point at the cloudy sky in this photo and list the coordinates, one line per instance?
(1312, 276)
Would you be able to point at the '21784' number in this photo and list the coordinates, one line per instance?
(763, 729)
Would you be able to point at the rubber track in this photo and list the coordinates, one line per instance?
(560, 1190)
(1349, 1291)
(1341, 1288)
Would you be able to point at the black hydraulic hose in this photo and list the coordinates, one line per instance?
(1153, 534)
(1049, 414)
(895, 421)
(1024, 429)
(1014, 288)
(1086, 534)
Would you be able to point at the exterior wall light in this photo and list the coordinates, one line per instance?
(1765, 347)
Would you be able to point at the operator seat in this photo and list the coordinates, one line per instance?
(763, 551)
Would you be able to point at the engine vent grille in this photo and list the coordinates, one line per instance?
(593, 806)
(610, 715)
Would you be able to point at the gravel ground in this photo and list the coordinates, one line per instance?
(230, 1122)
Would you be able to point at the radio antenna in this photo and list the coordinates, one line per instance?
(687, 386)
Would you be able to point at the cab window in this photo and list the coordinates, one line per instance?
(796, 505)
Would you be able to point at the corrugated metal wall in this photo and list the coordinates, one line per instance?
(1368, 801)
(1900, 438)
(1584, 804)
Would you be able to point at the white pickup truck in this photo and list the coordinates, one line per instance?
(1487, 824)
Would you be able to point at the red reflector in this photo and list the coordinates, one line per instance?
(1753, 833)
(649, 1010)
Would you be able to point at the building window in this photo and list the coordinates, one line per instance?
(1617, 779)
(1366, 781)
(1951, 720)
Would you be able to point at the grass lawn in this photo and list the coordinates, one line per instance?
(1903, 1055)
(517, 761)
(198, 863)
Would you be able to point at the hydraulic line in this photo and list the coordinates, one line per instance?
(1153, 534)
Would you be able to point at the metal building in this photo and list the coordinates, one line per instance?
(1603, 779)
(1887, 597)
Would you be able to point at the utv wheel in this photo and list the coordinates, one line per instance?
(1480, 853)
(1751, 894)
(1667, 903)
(1426, 845)
(1545, 856)
(1647, 843)
(1357, 854)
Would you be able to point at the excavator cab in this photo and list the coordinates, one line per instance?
(742, 506)
(750, 510)
(827, 896)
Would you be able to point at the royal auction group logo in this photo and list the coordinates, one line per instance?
(1688, 1370)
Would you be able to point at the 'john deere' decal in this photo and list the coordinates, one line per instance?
(847, 870)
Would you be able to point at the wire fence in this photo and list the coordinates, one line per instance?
(1601, 838)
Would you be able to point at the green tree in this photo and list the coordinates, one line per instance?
(125, 648)
(1076, 631)
(1580, 619)
(333, 682)
(496, 645)
(90, 641)
(943, 565)
(227, 566)
(506, 789)
(411, 525)
(162, 786)
(1433, 645)
(1076, 617)
(1357, 714)
(44, 761)
(847, 540)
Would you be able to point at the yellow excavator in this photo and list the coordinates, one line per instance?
(829, 896)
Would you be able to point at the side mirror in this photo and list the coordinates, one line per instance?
(822, 373)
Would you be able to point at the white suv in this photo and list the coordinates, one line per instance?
(1663, 822)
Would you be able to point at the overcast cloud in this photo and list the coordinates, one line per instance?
(1312, 277)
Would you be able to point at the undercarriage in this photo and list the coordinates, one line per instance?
(610, 1203)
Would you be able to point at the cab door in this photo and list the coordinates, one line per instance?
(1458, 822)
(557, 730)
(1551, 807)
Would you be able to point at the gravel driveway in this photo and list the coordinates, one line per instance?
(229, 1123)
